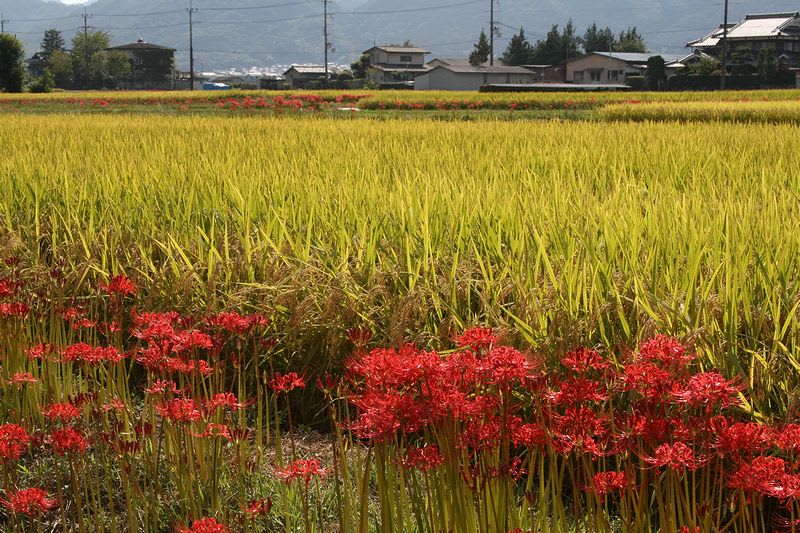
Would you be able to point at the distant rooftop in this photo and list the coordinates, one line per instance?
(761, 25)
(141, 44)
(400, 49)
(631, 57)
(496, 69)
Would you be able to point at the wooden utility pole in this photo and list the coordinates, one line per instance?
(3, 24)
(327, 41)
(192, 11)
(86, 16)
(491, 32)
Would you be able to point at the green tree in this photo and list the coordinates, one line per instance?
(12, 72)
(109, 67)
(767, 66)
(61, 69)
(706, 67)
(360, 67)
(656, 73)
(52, 41)
(42, 84)
(598, 40)
(631, 41)
(84, 53)
(519, 50)
(548, 51)
(570, 41)
(480, 54)
(742, 59)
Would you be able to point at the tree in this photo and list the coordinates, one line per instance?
(598, 40)
(767, 66)
(656, 73)
(42, 84)
(480, 54)
(360, 67)
(519, 50)
(570, 42)
(631, 41)
(707, 66)
(742, 59)
(12, 72)
(52, 41)
(108, 67)
(556, 46)
(61, 69)
(84, 50)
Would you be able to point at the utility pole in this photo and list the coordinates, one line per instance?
(3, 24)
(724, 49)
(327, 42)
(192, 11)
(491, 33)
(86, 16)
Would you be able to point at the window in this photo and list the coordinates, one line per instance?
(597, 75)
(613, 75)
(577, 76)
(405, 59)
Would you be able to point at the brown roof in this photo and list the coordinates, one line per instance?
(141, 45)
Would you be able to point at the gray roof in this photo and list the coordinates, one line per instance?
(399, 49)
(497, 69)
(141, 45)
(311, 69)
(630, 57)
(764, 25)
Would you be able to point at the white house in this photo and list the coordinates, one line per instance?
(460, 77)
(395, 64)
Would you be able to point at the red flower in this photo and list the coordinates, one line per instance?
(301, 469)
(14, 441)
(477, 338)
(423, 458)
(66, 412)
(215, 430)
(21, 379)
(530, 435)
(205, 525)
(258, 507)
(676, 456)
(666, 351)
(224, 399)
(605, 482)
(84, 353)
(504, 366)
(119, 285)
(68, 440)
(180, 410)
(583, 360)
(40, 351)
(31, 502)
(709, 389)
(761, 475)
(288, 382)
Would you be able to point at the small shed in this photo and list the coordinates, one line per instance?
(468, 78)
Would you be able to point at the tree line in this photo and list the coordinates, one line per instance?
(559, 45)
(88, 64)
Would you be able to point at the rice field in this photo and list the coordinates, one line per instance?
(172, 287)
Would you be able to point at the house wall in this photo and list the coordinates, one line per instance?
(379, 57)
(797, 78)
(585, 66)
(445, 80)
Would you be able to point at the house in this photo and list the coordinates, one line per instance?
(691, 60)
(36, 65)
(152, 65)
(270, 81)
(445, 77)
(610, 67)
(547, 73)
(300, 76)
(779, 33)
(797, 77)
(395, 65)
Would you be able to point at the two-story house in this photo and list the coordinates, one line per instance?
(152, 65)
(778, 33)
(395, 65)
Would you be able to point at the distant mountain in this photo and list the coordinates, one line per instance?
(270, 32)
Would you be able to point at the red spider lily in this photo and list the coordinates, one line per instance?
(576, 390)
(742, 437)
(787, 438)
(530, 435)
(761, 475)
(304, 469)
(204, 525)
(66, 412)
(327, 383)
(84, 353)
(215, 430)
(650, 380)
(359, 336)
(116, 405)
(7, 288)
(119, 285)
(191, 340)
(68, 440)
(676, 456)
(14, 310)
(227, 400)
(478, 339)
(180, 410)
(580, 427)
(161, 386)
(665, 351)
(504, 366)
(32, 502)
(258, 507)
(288, 382)
(40, 351)
(20, 379)
(388, 368)
(154, 326)
(423, 458)
(14, 441)
(709, 389)
(583, 360)
(235, 323)
(383, 414)
(606, 482)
